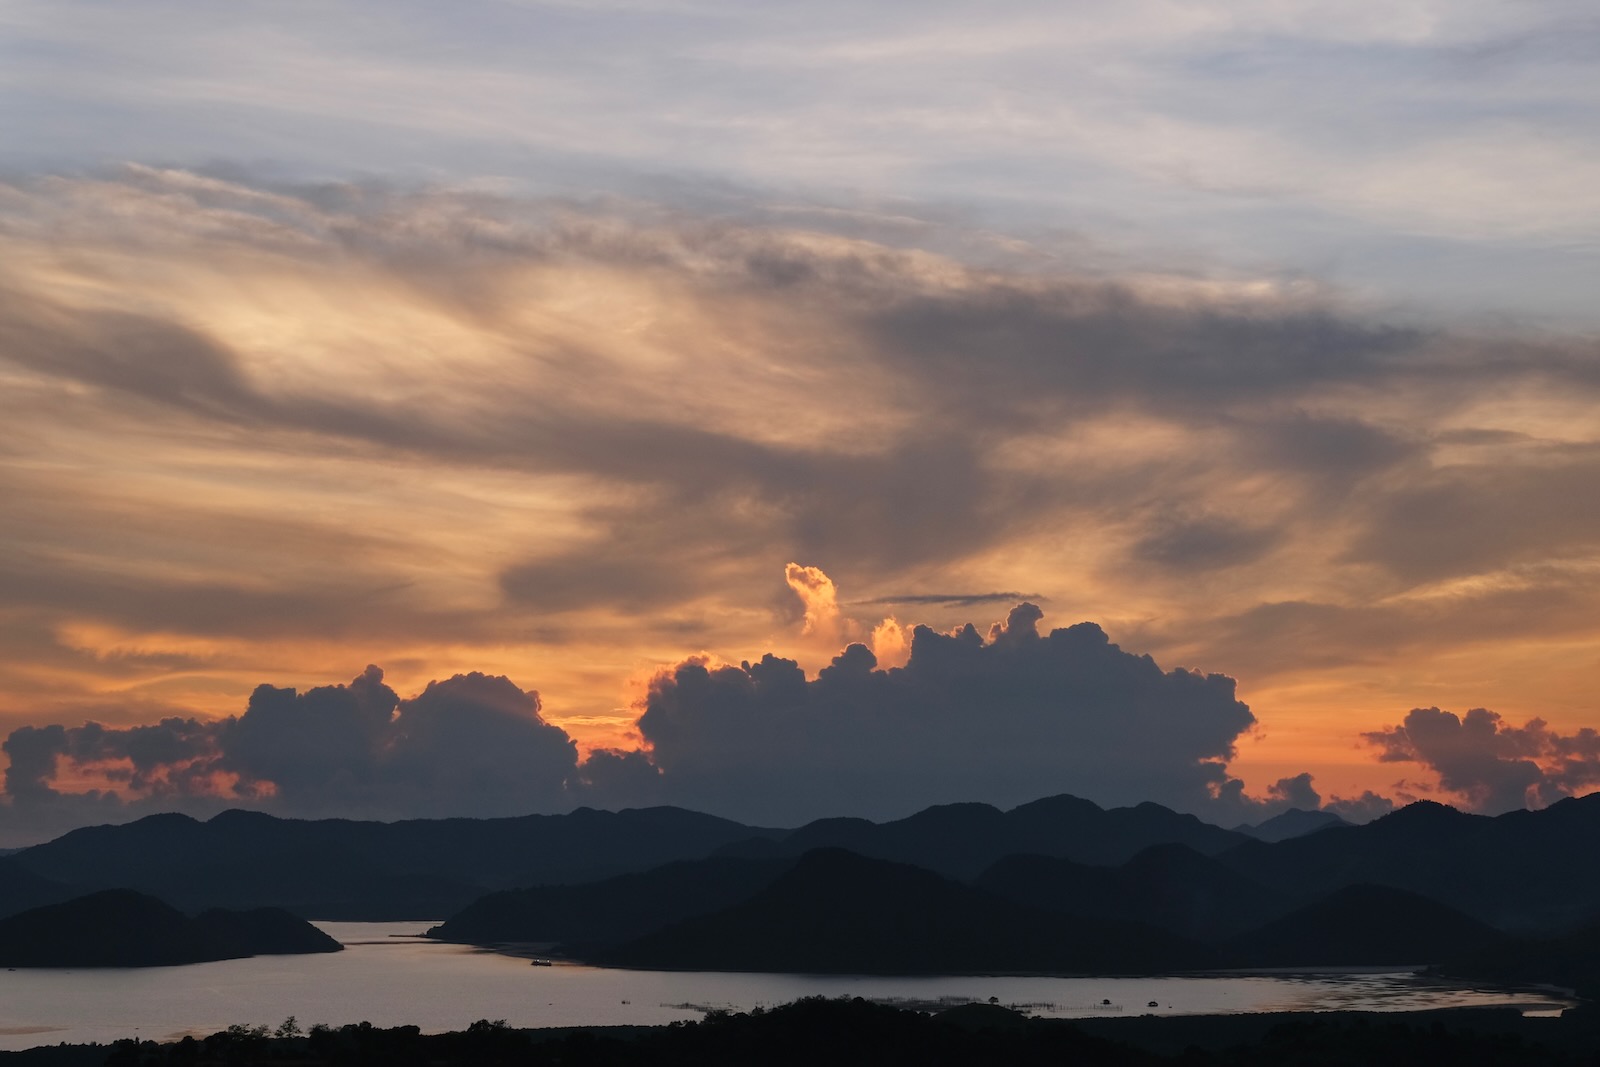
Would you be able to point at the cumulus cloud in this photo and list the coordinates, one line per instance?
(819, 601)
(1003, 720)
(1489, 764)
(471, 744)
(1360, 809)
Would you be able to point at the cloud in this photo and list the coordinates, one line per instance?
(1360, 809)
(819, 599)
(445, 429)
(1208, 543)
(1003, 720)
(1491, 765)
(471, 744)
(954, 600)
(1477, 517)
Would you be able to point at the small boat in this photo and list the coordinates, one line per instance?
(1153, 1004)
(542, 963)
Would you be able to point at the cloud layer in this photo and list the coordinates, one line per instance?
(1020, 716)
(468, 745)
(1426, 152)
(263, 431)
(1004, 719)
(1490, 765)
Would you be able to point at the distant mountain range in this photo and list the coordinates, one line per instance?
(962, 840)
(342, 869)
(1296, 822)
(1058, 884)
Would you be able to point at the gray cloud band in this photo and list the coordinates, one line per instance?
(1003, 720)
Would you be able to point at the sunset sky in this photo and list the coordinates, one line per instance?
(598, 351)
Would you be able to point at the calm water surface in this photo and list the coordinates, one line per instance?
(394, 980)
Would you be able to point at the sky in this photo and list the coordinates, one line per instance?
(415, 409)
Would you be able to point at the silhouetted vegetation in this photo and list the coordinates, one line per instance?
(842, 1033)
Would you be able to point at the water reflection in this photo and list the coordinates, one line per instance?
(392, 980)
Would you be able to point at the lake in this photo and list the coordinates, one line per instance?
(390, 979)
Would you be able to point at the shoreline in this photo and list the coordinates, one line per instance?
(859, 1025)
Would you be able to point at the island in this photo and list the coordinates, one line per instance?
(125, 928)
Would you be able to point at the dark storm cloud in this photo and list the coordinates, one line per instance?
(614, 778)
(1490, 764)
(1004, 719)
(472, 744)
(1020, 716)
(159, 758)
(33, 752)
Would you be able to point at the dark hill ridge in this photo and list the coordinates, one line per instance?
(1571, 960)
(21, 889)
(614, 910)
(338, 868)
(1169, 886)
(1296, 822)
(123, 928)
(1363, 926)
(962, 840)
(837, 912)
(344, 869)
(1525, 871)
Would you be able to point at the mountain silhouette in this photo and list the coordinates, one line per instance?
(1362, 925)
(1168, 886)
(1530, 872)
(1570, 960)
(962, 840)
(614, 910)
(1296, 822)
(21, 889)
(124, 928)
(342, 869)
(838, 912)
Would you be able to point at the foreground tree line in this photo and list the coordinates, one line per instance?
(845, 1032)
